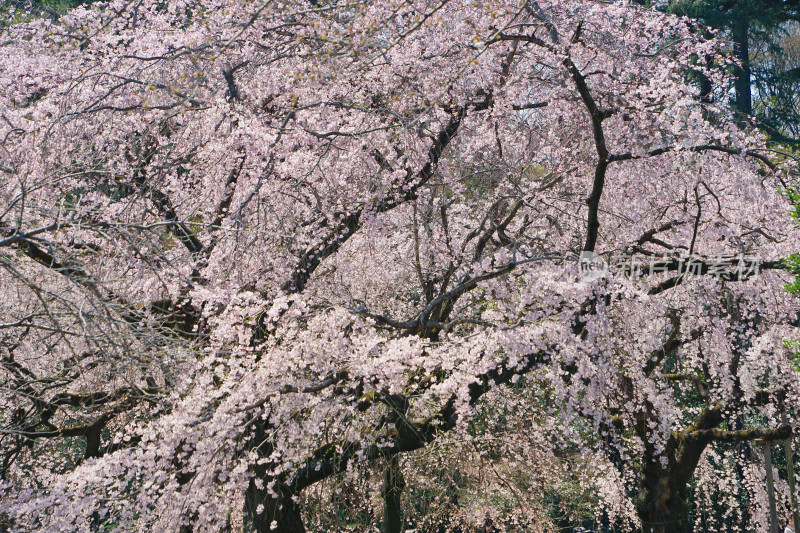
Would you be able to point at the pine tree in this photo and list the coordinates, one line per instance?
(766, 77)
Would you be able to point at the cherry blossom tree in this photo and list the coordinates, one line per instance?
(251, 247)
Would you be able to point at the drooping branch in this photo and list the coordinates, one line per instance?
(408, 435)
(448, 299)
(725, 269)
(720, 435)
(692, 378)
(628, 156)
(673, 342)
(400, 191)
(227, 73)
(597, 116)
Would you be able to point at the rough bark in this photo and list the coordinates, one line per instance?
(282, 510)
(744, 101)
(661, 505)
(393, 485)
(273, 498)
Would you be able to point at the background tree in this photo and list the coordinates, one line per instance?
(761, 36)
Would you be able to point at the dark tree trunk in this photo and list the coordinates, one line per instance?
(662, 505)
(706, 95)
(744, 102)
(705, 86)
(393, 484)
(282, 510)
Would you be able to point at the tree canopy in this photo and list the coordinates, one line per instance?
(250, 249)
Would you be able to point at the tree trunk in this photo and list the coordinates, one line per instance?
(662, 506)
(283, 511)
(393, 484)
(773, 511)
(787, 448)
(744, 102)
(278, 514)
